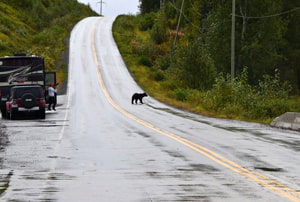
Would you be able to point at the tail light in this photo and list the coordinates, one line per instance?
(14, 102)
(41, 101)
(0, 93)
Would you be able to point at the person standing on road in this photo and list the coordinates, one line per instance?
(55, 96)
(51, 94)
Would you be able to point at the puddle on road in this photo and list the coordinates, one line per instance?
(199, 167)
(60, 176)
(269, 169)
(175, 154)
(144, 134)
(59, 157)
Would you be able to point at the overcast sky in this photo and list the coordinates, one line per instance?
(114, 7)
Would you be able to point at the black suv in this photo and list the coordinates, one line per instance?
(26, 99)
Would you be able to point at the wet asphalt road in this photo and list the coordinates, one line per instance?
(97, 146)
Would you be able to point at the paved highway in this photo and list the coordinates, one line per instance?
(97, 146)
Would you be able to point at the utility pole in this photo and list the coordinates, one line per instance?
(100, 2)
(161, 4)
(178, 24)
(233, 40)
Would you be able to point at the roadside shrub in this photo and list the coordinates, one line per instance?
(145, 60)
(181, 94)
(5, 30)
(163, 62)
(236, 97)
(195, 97)
(268, 109)
(271, 87)
(146, 21)
(126, 22)
(169, 85)
(159, 76)
(137, 47)
(220, 95)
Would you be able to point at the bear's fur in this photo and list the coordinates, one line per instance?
(138, 96)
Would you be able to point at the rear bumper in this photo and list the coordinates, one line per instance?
(23, 109)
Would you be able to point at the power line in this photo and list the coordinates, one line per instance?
(269, 16)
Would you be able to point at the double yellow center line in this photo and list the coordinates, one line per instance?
(256, 177)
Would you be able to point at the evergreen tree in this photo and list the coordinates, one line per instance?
(147, 6)
(258, 37)
(290, 64)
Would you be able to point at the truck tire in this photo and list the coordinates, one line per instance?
(13, 114)
(28, 100)
(42, 113)
(7, 115)
(4, 112)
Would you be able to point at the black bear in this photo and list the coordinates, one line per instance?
(138, 96)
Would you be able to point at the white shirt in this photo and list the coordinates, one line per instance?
(51, 91)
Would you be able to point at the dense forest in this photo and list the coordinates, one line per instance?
(39, 27)
(185, 46)
(266, 36)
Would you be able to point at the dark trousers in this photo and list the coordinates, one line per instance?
(52, 102)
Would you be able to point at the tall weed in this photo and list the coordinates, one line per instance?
(237, 97)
